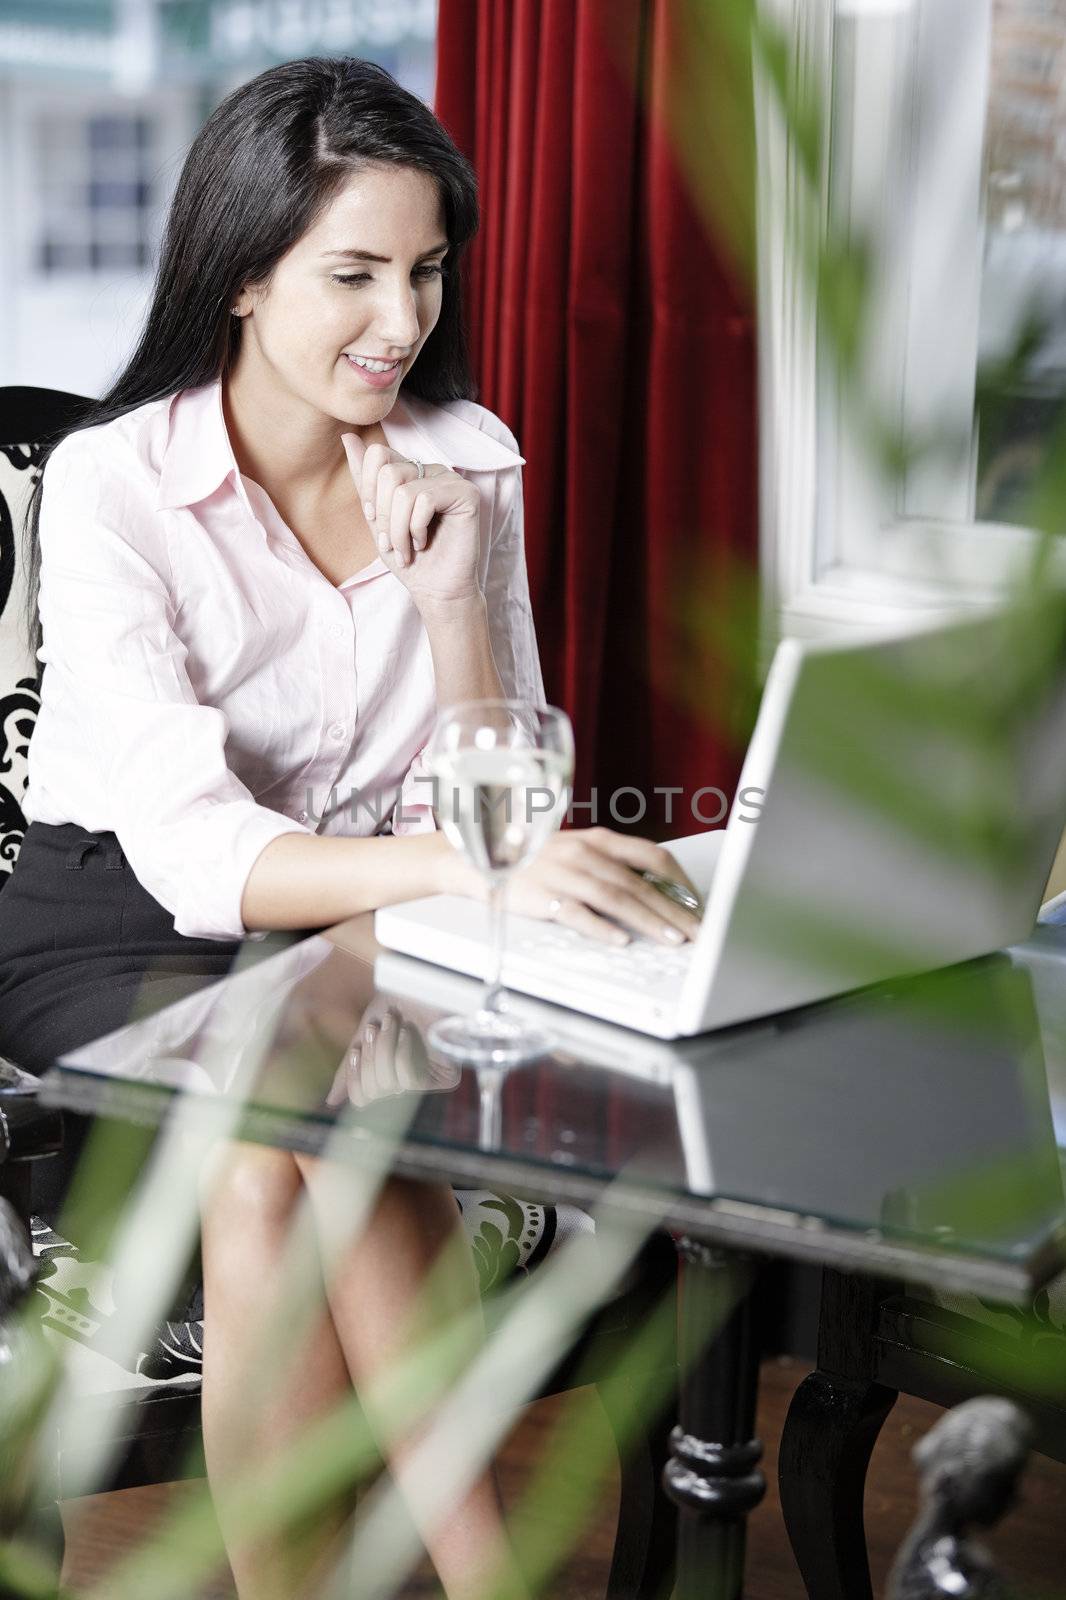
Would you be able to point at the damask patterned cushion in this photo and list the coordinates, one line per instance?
(506, 1236)
(19, 670)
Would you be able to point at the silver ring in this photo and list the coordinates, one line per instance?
(421, 468)
(554, 908)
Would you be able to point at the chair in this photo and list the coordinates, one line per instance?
(159, 1427)
(46, 412)
(877, 1340)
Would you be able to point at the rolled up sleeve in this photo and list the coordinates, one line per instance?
(413, 812)
(190, 829)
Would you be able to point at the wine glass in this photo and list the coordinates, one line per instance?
(502, 771)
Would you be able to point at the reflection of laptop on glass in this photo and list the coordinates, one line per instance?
(911, 807)
(967, 1038)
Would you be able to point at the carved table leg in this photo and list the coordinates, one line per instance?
(830, 1431)
(713, 1475)
(828, 1438)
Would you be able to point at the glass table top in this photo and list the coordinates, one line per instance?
(909, 1129)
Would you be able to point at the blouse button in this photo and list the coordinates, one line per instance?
(301, 816)
(338, 629)
(336, 731)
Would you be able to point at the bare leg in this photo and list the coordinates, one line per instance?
(246, 1219)
(373, 1291)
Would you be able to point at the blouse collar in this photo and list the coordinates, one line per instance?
(199, 457)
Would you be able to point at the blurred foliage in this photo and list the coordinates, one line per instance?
(116, 1207)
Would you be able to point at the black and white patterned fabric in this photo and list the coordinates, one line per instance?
(506, 1235)
(19, 670)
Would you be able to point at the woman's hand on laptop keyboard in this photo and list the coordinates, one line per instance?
(589, 879)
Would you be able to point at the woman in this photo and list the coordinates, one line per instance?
(284, 538)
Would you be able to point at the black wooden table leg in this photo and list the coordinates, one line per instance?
(713, 1474)
(832, 1426)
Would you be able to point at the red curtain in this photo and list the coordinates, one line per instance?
(609, 333)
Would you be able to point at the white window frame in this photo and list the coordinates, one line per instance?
(904, 89)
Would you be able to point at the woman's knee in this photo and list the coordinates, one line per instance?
(249, 1192)
(394, 1196)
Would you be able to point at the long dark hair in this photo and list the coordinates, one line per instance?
(263, 167)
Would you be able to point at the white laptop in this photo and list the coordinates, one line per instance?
(911, 808)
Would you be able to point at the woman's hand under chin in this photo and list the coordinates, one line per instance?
(427, 529)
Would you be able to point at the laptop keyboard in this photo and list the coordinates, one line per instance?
(642, 963)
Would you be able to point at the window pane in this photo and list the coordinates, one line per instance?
(110, 192)
(117, 133)
(94, 192)
(116, 224)
(56, 255)
(1025, 252)
(115, 256)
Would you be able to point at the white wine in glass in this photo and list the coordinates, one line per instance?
(502, 771)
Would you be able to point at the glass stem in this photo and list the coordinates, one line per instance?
(490, 1108)
(493, 999)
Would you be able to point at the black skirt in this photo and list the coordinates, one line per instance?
(82, 941)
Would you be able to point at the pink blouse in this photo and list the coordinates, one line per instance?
(207, 688)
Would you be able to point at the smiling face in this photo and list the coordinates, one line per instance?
(323, 305)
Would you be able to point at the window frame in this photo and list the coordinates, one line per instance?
(903, 89)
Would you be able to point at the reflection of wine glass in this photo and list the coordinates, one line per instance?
(501, 770)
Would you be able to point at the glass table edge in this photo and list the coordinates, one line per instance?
(733, 1224)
